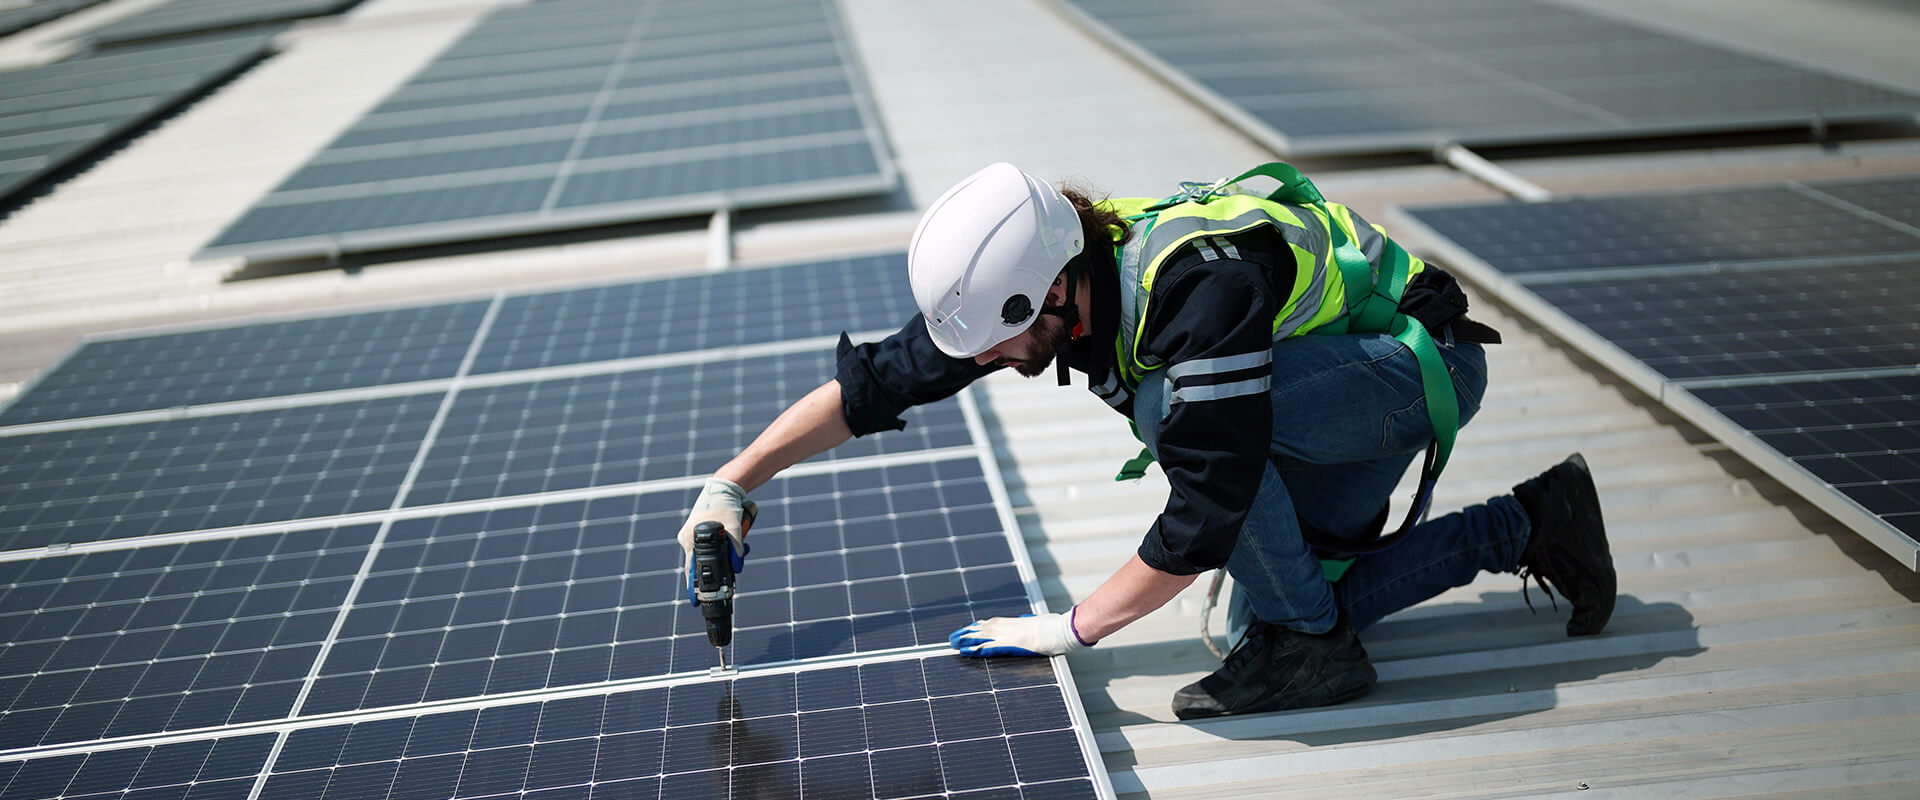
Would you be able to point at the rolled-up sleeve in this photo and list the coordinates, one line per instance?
(880, 380)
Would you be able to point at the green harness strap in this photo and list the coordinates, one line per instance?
(1373, 306)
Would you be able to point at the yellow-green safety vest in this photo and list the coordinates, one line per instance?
(1336, 287)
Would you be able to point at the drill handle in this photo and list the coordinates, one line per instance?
(712, 577)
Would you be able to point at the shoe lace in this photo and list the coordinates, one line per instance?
(1528, 573)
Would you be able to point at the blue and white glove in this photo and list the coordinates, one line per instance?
(721, 501)
(1028, 635)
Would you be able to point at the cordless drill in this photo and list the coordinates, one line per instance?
(711, 583)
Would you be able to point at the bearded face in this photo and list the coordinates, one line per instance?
(1034, 349)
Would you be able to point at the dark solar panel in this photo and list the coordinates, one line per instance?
(908, 728)
(253, 361)
(697, 312)
(170, 637)
(210, 472)
(210, 769)
(1755, 322)
(182, 17)
(1711, 226)
(16, 18)
(582, 592)
(579, 112)
(54, 114)
(601, 430)
(1752, 286)
(1897, 198)
(1385, 75)
(1860, 434)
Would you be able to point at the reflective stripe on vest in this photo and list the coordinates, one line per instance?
(1317, 297)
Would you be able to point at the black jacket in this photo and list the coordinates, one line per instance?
(1206, 304)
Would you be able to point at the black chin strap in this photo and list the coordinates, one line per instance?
(1071, 314)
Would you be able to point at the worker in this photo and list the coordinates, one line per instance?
(1280, 447)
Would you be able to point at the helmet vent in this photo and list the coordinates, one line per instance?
(1016, 310)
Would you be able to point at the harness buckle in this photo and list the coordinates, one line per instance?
(1189, 191)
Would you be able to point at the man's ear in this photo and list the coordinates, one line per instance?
(1057, 293)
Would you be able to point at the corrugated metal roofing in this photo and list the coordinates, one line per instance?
(1759, 649)
(1753, 638)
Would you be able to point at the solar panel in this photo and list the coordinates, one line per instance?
(116, 482)
(1395, 75)
(580, 112)
(1706, 226)
(1775, 317)
(207, 769)
(698, 312)
(182, 17)
(54, 114)
(1862, 435)
(21, 17)
(515, 623)
(903, 728)
(1695, 325)
(1896, 198)
(562, 594)
(600, 430)
(217, 365)
(169, 637)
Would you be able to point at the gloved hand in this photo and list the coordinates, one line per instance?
(721, 501)
(1026, 635)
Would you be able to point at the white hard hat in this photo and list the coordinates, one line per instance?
(985, 254)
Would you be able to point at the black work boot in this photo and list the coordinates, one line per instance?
(1568, 546)
(1275, 669)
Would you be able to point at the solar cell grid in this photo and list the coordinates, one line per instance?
(894, 729)
(1860, 434)
(1486, 72)
(170, 637)
(183, 17)
(16, 18)
(473, 149)
(210, 472)
(213, 769)
(840, 155)
(247, 362)
(53, 114)
(1693, 326)
(1711, 226)
(1897, 197)
(823, 118)
(536, 125)
(602, 430)
(1780, 306)
(581, 592)
(550, 116)
(698, 312)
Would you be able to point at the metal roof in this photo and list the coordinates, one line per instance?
(1760, 648)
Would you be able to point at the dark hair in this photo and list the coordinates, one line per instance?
(1100, 225)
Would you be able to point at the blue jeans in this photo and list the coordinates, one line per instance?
(1349, 417)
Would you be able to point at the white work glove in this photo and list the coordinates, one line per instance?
(1028, 635)
(721, 501)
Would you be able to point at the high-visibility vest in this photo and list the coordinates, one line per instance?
(1336, 287)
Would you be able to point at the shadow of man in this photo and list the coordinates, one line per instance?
(1442, 669)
